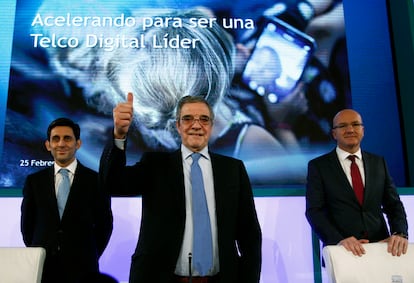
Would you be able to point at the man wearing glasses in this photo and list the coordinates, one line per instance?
(348, 192)
(169, 248)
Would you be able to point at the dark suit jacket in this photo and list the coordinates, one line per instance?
(159, 178)
(75, 243)
(333, 210)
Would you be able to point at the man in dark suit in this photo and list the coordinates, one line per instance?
(164, 252)
(75, 240)
(333, 208)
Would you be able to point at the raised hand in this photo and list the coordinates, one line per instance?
(123, 114)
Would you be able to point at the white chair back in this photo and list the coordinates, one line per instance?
(21, 265)
(375, 266)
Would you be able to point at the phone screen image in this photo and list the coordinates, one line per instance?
(277, 60)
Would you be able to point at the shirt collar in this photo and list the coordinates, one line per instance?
(71, 167)
(186, 152)
(342, 154)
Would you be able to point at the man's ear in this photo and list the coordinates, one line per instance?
(78, 143)
(47, 145)
(333, 134)
(177, 126)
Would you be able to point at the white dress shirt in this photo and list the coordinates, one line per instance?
(182, 267)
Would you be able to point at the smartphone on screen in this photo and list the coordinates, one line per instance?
(278, 59)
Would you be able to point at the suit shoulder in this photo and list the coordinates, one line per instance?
(323, 157)
(366, 154)
(39, 177)
(157, 155)
(86, 170)
(224, 158)
(40, 173)
(160, 158)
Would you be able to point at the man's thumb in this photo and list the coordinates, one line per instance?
(130, 97)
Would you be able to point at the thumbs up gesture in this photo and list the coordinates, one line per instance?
(123, 114)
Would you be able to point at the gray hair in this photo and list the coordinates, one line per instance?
(192, 99)
(160, 77)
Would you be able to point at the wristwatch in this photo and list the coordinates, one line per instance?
(400, 234)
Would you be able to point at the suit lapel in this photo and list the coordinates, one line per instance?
(175, 163)
(218, 173)
(48, 183)
(221, 195)
(367, 172)
(338, 170)
(75, 186)
(339, 174)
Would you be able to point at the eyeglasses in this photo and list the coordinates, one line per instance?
(190, 120)
(343, 126)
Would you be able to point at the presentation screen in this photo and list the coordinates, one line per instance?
(275, 72)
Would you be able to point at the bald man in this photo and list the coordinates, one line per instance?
(337, 213)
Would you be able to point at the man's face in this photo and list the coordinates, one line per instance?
(348, 130)
(195, 125)
(63, 145)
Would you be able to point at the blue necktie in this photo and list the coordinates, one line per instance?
(63, 190)
(203, 244)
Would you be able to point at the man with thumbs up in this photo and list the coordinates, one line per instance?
(166, 251)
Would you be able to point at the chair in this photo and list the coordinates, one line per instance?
(375, 266)
(21, 265)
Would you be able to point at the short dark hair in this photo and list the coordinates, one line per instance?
(192, 99)
(64, 122)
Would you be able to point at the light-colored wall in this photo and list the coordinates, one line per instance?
(287, 246)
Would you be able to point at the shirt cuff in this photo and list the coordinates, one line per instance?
(120, 143)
